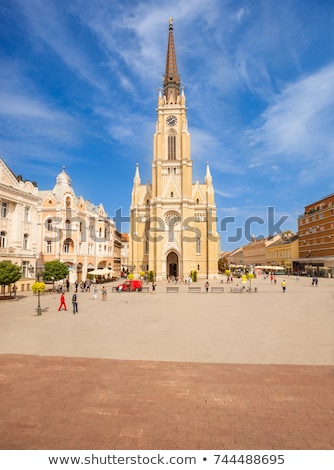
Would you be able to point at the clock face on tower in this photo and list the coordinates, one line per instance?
(171, 120)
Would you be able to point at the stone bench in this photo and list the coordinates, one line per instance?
(194, 289)
(145, 289)
(172, 289)
(217, 289)
(237, 290)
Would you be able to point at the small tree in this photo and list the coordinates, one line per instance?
(193, 276)
(9, 273)
(38, 287)
(55, 270)
(150, 276)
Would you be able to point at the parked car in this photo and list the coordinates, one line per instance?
(134, 285)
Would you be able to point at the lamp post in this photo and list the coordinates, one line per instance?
(39, 309)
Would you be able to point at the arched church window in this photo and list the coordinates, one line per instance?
(172, 194)
(68, 202)
(171, 147)
(146, 246)
(197, 201)
(198, 244)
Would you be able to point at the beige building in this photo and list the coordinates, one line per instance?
(125, 252)
(18, 223)
(173, 220)
(74, 231)
(255, 253)
(283, 252)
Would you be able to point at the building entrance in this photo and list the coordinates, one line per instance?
(172, 264)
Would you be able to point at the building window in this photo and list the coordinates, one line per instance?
(146, 247)
(48, 246)
(68, 245)
(67, 224)
(26, 214)
(198, 245)
(49, 224)
(171, 147)
(25, 241)
(3, 209)
(68, 202)
(3, 239)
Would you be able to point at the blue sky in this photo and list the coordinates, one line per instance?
(79, 86)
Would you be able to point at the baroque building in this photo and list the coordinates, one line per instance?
(74, 231)
(18, 222)
(173, 220)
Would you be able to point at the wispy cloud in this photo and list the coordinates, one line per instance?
(300, 122)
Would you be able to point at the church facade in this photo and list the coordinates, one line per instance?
(173, 220)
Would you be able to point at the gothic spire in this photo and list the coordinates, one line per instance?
(171, 79)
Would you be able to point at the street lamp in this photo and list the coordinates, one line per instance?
(39, 309)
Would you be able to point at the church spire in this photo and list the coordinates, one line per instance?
(171, 79)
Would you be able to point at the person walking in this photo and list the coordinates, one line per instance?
(14, 290)
(62, 302)
(95, 293)
(104, 293)
(153, 287)
(207, 286)
(75, 303)
(283, 286)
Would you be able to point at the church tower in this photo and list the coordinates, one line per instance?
(173, 220)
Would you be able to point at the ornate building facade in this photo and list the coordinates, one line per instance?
(173, 220)
(19, 236)
(74, 231)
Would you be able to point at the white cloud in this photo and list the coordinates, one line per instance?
(300, 122)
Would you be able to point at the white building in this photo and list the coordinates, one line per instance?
(18, 223)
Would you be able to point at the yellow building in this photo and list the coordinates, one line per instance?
(283, 252)
(173, 220)
(74, 231)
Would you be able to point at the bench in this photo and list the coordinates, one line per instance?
(194, 289)
(145, 289)
(251, 290)
(172, 289)
(217, 289)
(237, 290)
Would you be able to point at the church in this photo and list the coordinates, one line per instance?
(173, 229)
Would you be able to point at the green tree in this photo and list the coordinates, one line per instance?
(222, 264)
(56, 270)
(193, 276)
(9, 273)
(150, 276)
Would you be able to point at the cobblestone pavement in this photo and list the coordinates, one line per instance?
(170, 371)
(78, 403)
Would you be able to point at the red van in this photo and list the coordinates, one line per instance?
(130, 286)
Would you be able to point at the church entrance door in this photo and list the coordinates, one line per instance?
(172, 264)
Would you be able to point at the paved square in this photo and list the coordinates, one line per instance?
(171, 371)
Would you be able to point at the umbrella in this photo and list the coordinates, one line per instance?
(100, 272)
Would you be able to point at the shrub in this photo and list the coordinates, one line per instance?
(193, 276)
(38, 287)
